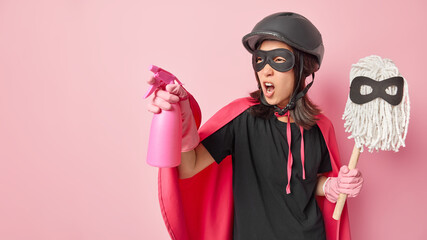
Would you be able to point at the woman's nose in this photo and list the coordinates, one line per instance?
(267, 70)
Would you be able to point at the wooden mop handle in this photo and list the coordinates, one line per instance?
(343, 197)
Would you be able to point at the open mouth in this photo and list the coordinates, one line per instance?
(269, 89)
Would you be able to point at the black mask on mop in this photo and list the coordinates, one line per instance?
(378, 90)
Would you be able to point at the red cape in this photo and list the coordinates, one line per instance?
(201, 207)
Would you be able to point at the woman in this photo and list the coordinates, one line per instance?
(283, 150)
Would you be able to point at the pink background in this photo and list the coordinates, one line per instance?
(74, 126)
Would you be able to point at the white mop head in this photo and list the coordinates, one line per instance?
(377, 124)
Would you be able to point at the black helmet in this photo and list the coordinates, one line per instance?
(291, 28)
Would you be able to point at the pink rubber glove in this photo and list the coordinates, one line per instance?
(348, 181)
(163, 99)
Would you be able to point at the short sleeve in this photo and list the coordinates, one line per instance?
(221, 143)
(325, 164)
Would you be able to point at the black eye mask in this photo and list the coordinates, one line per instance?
(267, 57)
(378, 90)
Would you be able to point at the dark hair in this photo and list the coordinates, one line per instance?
(305, 111)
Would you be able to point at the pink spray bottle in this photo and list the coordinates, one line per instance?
(164, 146)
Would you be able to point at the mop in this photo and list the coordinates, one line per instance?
(377, 110)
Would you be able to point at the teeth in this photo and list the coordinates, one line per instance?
(268, 84)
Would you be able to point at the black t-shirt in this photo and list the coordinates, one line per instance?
(259, 149)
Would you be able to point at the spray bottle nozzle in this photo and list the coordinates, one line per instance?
(162, 77)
